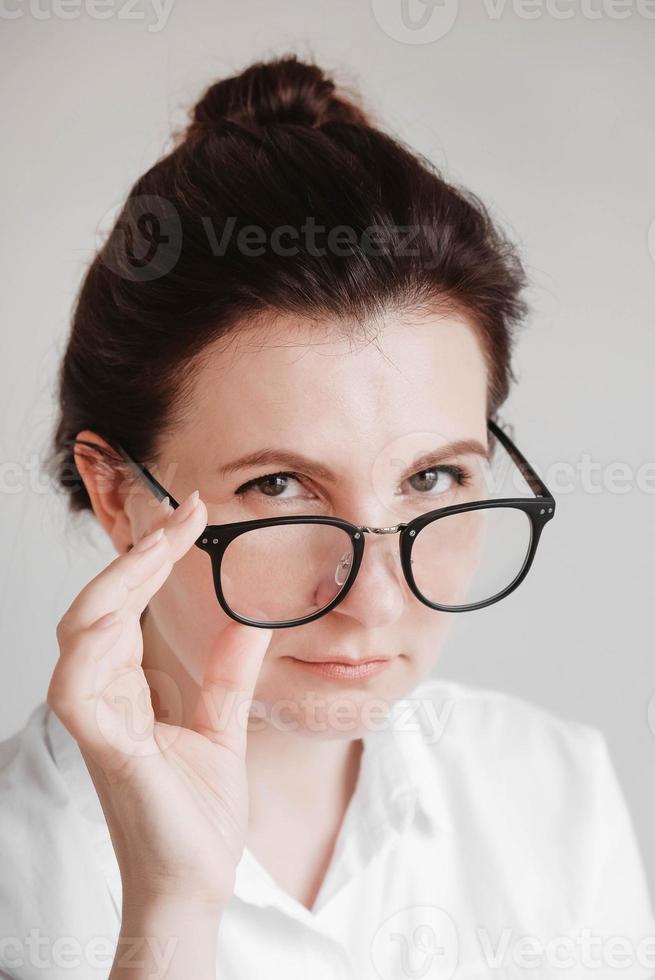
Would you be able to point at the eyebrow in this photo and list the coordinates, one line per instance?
(296, 461)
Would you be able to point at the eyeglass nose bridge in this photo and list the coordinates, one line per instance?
(345, 563)
(383, 530)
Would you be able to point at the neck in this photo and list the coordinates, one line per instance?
(309, 777)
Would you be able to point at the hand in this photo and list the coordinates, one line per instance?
(174, 797)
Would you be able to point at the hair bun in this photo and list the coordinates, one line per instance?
(281, 91)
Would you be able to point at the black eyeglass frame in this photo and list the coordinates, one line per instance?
(216, 538)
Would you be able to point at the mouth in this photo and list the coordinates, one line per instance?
(343, 668)
(349, 661)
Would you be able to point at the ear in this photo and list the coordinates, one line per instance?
(108, 488)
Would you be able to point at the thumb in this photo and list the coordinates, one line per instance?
(230, 677)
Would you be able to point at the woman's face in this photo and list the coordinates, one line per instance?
(364, 411)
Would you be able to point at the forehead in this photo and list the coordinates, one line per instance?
(299, 382)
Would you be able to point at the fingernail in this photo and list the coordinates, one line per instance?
(164, 508)
(185, 509)
(149, 540)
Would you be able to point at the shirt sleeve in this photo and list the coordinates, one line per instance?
(621, 926)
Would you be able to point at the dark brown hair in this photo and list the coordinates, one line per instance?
(271, 149)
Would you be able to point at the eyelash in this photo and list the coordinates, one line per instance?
(462, 478)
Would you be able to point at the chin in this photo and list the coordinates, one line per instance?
(314, 706)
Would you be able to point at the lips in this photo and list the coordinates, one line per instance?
(336, 659)
(345, 670)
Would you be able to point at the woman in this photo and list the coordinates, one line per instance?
(301, 332)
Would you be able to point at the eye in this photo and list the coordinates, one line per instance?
(276, 483)
(442, 476)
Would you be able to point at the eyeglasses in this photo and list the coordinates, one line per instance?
(286, 571)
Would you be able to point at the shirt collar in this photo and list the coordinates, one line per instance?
(399, 785)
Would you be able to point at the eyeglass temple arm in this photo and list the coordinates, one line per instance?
(533, 479)
(156, 487)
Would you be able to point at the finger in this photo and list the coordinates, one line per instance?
(108, 712)
(109, 589)
(98, 689)
(182, 528)
(221, 712)
(103, 646)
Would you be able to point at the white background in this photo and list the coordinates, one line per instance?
(548, 117)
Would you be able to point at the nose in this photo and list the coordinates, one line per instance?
(379, 593)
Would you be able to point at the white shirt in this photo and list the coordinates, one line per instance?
(486, 837)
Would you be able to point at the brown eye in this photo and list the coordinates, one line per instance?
(272, 485)
(426, 480)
